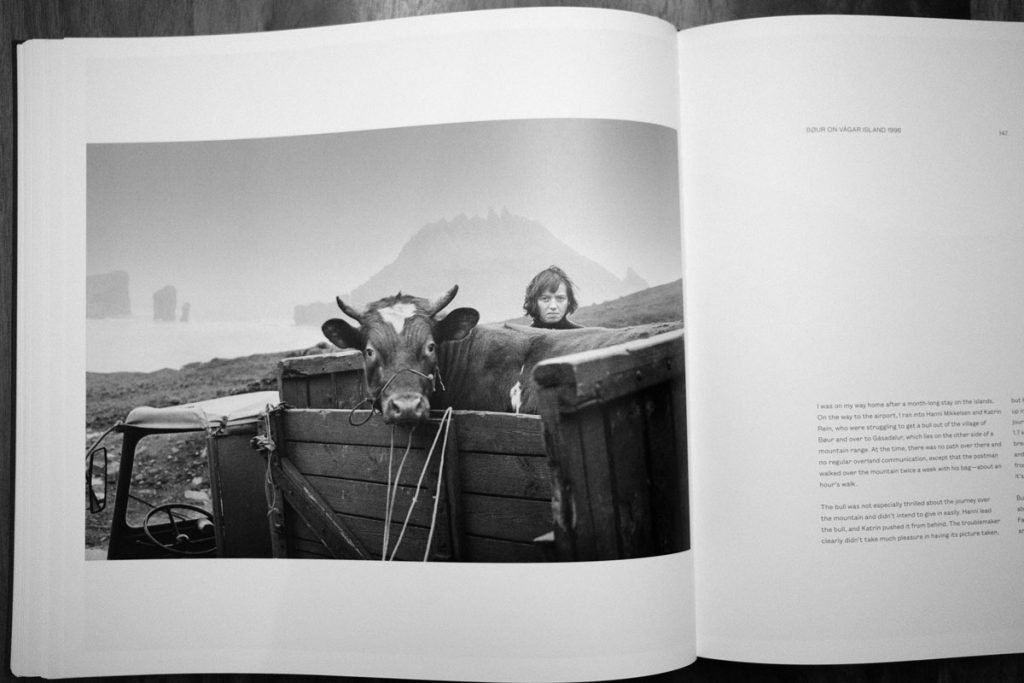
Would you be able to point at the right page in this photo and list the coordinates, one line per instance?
(854, 269)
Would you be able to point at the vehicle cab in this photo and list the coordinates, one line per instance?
(189, 482)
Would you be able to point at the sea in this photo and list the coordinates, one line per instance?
(138, 344)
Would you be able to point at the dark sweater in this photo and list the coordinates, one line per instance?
(563, 324)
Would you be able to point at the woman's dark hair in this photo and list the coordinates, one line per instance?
(548, 280)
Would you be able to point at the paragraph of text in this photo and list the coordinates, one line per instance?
(891, 521)
(907, 438)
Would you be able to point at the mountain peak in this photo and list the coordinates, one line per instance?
(491, 258)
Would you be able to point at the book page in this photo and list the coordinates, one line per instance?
(572, 621)
(854, 232)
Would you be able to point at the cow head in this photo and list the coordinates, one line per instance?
(398, 337)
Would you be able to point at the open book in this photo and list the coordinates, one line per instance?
(846, 218)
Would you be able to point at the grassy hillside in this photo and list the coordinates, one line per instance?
(110, 395)
(663, 303)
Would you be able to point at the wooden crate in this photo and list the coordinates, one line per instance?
(601, 472)
(333, 477)
(331, 380)
(615, 430)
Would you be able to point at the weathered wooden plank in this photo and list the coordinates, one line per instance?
(349, 391)
(499, 432)
(316, 511)
(473, 431)
(371, 533)
(410, 544)
(681, 476)
(367, 499)
(293, 391)
(997, 10)
(352, 479)
(322, 381)
(128, 19)
(364, 463)
(561, 439)
(518, 476)
(498, 516)
(600, 504)
(666, 457)
(602, 375)
(212, 16)
(511, 519)
(348, 427)
(597, 443)
(320, 392)
(277, 519)
(322, 364)
(451, 468)
(629, 483)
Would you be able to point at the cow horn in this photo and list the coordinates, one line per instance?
(348, 310)
(442, 300)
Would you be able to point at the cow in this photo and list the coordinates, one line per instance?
(416, 358)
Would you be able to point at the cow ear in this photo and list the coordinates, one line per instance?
(343, 335)
(456, 325)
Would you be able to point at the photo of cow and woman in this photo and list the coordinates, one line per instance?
(459, 342)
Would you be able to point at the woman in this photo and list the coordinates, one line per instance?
(550, 298)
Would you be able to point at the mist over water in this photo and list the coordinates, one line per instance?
(138, 344)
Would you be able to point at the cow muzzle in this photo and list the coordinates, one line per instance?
(406, 408)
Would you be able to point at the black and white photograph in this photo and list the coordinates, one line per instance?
(325, 346)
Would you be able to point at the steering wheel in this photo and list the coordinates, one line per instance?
(182, 541)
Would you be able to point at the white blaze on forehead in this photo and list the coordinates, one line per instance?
(397, 314)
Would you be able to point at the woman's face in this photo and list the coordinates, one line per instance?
(552, 305)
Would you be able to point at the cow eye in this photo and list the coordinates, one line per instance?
(369, 353)
(431, 347)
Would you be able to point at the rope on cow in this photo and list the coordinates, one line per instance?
(446, 420)
(434, 378)
(387, 501)
(391, 491)
(369, 416)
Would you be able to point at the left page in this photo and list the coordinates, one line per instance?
(130, 133)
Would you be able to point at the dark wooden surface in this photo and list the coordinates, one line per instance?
(498, 459)
(23, 19)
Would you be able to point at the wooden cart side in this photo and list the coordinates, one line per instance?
(331, 380)
(615, 429)
(333, 476)
(298, 504)
(495, 495)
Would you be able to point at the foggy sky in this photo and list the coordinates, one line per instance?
(247, 229)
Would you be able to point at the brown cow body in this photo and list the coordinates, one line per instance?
(416, 358)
